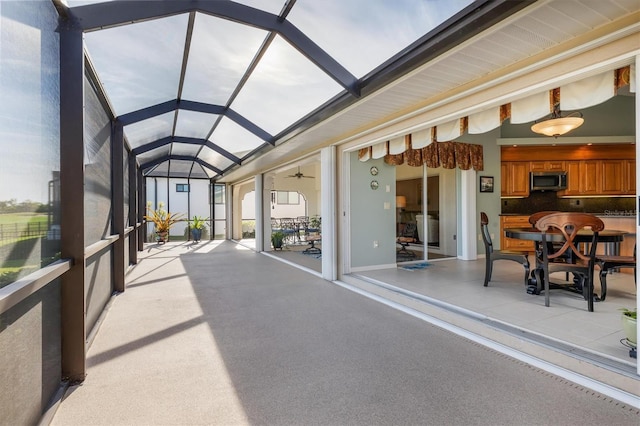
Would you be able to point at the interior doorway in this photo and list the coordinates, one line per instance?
(410, 232)
(430, 235)
(442, 217)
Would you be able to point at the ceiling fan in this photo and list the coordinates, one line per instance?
(300, 175)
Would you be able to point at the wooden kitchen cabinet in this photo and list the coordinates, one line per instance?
(600, 177)
(602, 170)
(573, 178)
(547, 166)
(630, 173)
(590, 177)
(613, 180)
(515, 179)
(512, 243)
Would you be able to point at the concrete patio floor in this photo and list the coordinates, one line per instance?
(214, 333)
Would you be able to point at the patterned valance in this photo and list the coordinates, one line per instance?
(446, 154)
(433, 145)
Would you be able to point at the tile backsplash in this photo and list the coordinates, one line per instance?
(541, 201)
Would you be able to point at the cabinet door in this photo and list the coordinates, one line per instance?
(590, 177)
(537, 166)
(573, 178)
(630, 177)
(518, 184)
(504, 178)
(613, 177)
(547, 166)
(513, 244)
(555, 166)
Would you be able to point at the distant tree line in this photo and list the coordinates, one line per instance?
(27, 206)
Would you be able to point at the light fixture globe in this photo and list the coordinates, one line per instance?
(558, 126)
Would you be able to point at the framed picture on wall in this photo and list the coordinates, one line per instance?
(486, 183)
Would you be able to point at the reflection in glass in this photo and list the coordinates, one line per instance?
(29, 139)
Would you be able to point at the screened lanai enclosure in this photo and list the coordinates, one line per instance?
(153, 102)
(112, 108)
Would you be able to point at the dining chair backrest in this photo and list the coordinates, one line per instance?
(534, 218)
(569, 224)
(486, 236)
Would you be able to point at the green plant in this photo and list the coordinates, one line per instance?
(198, 222)
(631, 313)
(277, 238)
(315, 222)
(162, 219)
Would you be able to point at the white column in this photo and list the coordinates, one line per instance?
(468, 209)
(328, 212)
(259, 212)
(267, 186)
(234, 213)
(637, 84)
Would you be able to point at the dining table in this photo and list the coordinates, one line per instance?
(611, 237)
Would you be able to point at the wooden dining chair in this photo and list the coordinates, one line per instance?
(611, 263)
(534, 218)
(552, 247)
(492, 255)
(568, 257)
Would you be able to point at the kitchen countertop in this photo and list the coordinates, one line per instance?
(619, 216)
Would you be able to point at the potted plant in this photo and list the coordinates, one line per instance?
(277, 239)
(163, 221)
(315, 224)
(198, 223)
(630, 325)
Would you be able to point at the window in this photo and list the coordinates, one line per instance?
(287, 197)
(218, 194)
(182, 187)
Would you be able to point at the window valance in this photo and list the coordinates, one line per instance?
(435, 147)
(449, 155)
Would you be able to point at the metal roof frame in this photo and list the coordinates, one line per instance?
(92, 17)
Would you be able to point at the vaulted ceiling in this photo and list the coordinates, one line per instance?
(212, 89)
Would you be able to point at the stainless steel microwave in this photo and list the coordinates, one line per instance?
(548, 181)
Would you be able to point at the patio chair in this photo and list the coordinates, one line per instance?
(568, 258)
(613, 263)
(290, 229)
(407, 236)
(492, 255)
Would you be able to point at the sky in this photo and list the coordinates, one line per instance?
(140, 66)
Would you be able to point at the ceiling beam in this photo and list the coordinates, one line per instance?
(165, 107)
(148, 112)
(183, 139)
(162, 159)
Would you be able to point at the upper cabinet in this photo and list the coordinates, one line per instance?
(547, 166)
(630, 173)
(515, 179)
(591, 170)
(614, 179)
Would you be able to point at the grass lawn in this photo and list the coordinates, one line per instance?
(22, 218)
